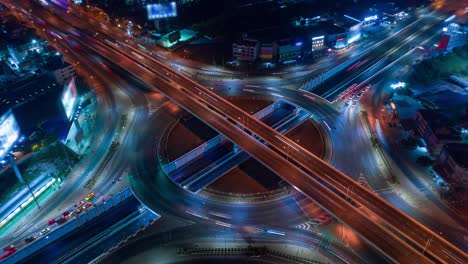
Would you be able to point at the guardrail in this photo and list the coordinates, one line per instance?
(317, 80)
(71, 225)
(248, 251)
(191, 155)
(251, 197)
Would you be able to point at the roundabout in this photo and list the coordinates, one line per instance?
(175, 166)
(248, 180)
(235, 205)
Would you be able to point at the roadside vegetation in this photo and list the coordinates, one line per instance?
(441, 67)
(55, 161)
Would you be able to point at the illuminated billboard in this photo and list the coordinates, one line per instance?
(9, 133)
(156, 11)
(354, 33)
(69, 98)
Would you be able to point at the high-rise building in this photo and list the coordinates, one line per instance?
(247, 50)
(285, 51)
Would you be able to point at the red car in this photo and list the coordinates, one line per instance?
(9, 248)
(51, 221)
(9, 251)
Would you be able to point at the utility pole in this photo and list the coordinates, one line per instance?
(20, 177)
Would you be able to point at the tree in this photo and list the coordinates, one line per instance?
(409, 143)
(424, 161)
(48, 139)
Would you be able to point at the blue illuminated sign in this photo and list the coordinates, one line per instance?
(370, 18)
(9, 133)
(156, 11)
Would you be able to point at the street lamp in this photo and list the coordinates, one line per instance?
(20, 177)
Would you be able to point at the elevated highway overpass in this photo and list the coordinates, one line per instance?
(289, 160)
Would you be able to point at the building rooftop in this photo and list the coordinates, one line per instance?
(440, 124)
(445, 99)
(54, 63)
(26, 89)
(406, 106)
(459, 152)
(434, 117)
(247, 42)
(331, 28)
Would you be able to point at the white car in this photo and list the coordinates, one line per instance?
(44, 231)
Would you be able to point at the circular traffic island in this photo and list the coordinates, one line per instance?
(236, 176)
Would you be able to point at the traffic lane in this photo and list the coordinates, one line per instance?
(118, 33)
(165, 194)
(135, 97)
(287, 152)
(390, 52)
(360, 156)
(272, 160)
(268, 156)
(252, 215)
(144, 69)
(112, 237)
(64, 245)
(378, 48)
(66, 195)
(407, 169)
(321, 109)
(141, 69)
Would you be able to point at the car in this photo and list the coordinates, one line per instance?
(51, 221)
(89, 197)
(75, 213)
(9, 252)
(61, 220)
(87, 205)
(44, 231)
(9, 248)
(29, 239)
(66, 213)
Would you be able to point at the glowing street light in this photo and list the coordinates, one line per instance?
(398, 85)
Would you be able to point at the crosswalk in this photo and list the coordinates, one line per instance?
(320, 220)
(307, 225)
